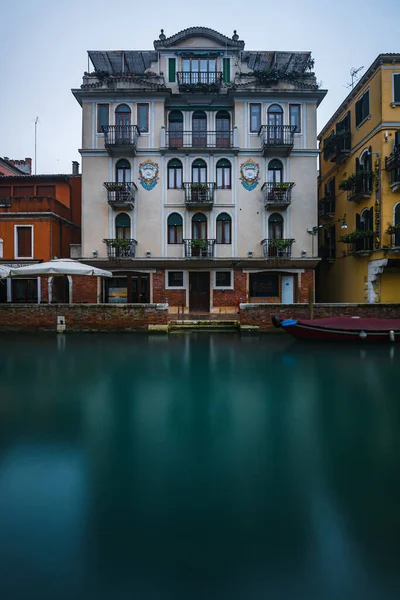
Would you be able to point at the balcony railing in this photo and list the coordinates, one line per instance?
(199, 139)
(121, 195)
(273, 248)
(202, 248)
(327, 252)
(337, 146)
(393, 160)
(198, 81)
(5, 201)
(120, 248)
(361, 188)
(199, 194)
(361, 245)
(119, 138)
(277, 195)
(327, 206)
(277, 138)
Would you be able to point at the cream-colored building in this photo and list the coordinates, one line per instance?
(199, 172)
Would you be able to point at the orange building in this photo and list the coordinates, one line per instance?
(40, 218)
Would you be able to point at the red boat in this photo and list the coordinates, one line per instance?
(342, 329)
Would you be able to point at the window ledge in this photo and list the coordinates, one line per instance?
(223, 289)
(394, 104)
(363, 121)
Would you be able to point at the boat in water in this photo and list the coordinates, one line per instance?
(342, 329)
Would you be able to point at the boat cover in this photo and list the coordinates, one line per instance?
(354, 324)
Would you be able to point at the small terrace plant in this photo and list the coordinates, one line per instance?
(115, 187)
(392, 229)
(119, 243)
(281, 244)
(201, 244)
(357, 234)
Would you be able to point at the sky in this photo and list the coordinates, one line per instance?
(44, 43)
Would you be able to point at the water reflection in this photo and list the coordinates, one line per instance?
(198, 466)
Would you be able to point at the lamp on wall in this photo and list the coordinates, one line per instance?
(314, 230)
(148, 253)
(94, 252)
(250, 254)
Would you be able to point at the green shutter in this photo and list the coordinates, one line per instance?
(171, 70)
(227, 70)
(396, 85)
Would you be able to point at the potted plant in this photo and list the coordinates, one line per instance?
(392, 229)
(199, 247)
(280, 247)
(115, 187)
(199, 191)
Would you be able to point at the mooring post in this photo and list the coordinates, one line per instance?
(310, 301)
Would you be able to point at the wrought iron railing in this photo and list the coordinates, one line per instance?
(199, 79)
(277, 135)
(273, 248)
(120, 248)
(395, 239)
(393, 160)
(337, 146)
(199, 193)
(277, 194)
(327, 205)
(199, 139)
(362, 186)
(202, 248)
(120, 193)
(361, 244)
(121, 135)
(327, 251)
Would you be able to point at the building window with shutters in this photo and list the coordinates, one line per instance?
(295, 116)
(171, 70)
(175, 174)
(396, 88)
(102, 117)
(362, 109)
(143, 117)
(23, 241)
(224, 229)
(226, 73)
(224, 171)
(175, 229)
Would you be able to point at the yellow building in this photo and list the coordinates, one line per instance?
(360, 179)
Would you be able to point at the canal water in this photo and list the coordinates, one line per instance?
(198, 467)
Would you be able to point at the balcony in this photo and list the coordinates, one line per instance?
(338, 146)
(199, 248)
(362, 245)
(277, 195)
(121, 139)
(199, 82)
(199, 195)
(393, 160)
(121, 195)
(327, 206)
(200, 140)
(360, 187)
(277, 139)
(120, 248)
(273, 248)
(327, 252)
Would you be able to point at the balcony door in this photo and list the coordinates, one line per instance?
(199, 227)
(123, 171)
(175, 124)
(275, 227)
(199, 129)
(122, 122)
(199, 171)
(275, 122)
(223, 127)
(123, 227)
(275, 170)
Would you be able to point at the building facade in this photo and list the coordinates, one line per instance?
(9, 166)
(40, 217)
(199, 170)
(360, 178)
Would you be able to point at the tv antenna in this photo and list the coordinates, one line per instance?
(36, 122)
(354, 77)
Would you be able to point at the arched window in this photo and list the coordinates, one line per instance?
(275, 170)
(199, 171)
(275, 227)
(224, 172)
(175, 129)
(275, 123)
(199, 227)
(123, 171)
(122, 123)
(174, 174)
(122, 226)
(224, 229)
(199, 127)
(175, 229)
(223, 126)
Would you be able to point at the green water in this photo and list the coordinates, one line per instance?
(197, 466)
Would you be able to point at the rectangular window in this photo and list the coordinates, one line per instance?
(223, 279)
(255, 118)
(46, 190)
(5, 196)
(264, 285)
(171, 70)
(23, 242)
(23, 191)
(396, 88)
(102, 117)
(24, 290)
(175, 279)
(295, 116)
(226, 66)
(143, 117)
(362, 108)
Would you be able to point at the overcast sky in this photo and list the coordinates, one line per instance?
(44, 43)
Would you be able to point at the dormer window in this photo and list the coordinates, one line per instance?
(199, 70)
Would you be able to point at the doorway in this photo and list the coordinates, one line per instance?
(60, 291)
(287, 289)
(199, 291)
(124, 289)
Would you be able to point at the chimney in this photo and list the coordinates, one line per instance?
(29, 163)
(75, 167)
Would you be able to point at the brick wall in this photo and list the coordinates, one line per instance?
(307, 279)
(81, 317)
(229, 298)
(261, 314)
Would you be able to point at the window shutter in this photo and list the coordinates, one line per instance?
(371, 219)
(397, 138)
(358, 222)
(171, 70)
(24, 241)
(358, 168)
(396, 86)
(358, 112)
(227, 70)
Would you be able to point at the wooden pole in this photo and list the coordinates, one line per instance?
(310, 301)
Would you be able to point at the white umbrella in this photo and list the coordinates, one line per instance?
(60, 266)
(4, 271)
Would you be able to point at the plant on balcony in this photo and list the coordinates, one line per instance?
(392, 229)
(281, 187)
(347, 184)
(201, 244)
(115, 187)
(357, 234)
(198, 187)
(280, 244)
(119, 243)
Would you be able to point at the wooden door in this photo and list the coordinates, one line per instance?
(139, 289)
(199, 291)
